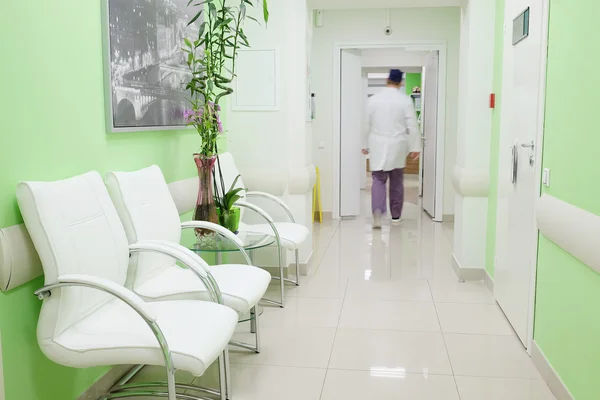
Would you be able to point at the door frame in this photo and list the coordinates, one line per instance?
(441, 48)
(538, 167)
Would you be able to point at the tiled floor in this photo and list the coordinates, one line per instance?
(382, 316)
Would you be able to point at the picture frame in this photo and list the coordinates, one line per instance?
(145, 69)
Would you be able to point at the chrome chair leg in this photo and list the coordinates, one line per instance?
(282, 285)
(257, 330)
(253, 320)
(223, 378)
(297, 268)
(228, 375)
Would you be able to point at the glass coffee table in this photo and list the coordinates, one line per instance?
(218, 245)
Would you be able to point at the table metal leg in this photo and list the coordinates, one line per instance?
(253, 311)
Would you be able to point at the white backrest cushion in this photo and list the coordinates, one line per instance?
(148, 212)
(76, 230)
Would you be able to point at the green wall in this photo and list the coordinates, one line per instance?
(567, 322)
(495, 140)
(412, 81)
(52, 113)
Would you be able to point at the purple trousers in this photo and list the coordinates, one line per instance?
(378, 195)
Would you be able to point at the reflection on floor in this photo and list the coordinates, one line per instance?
(383, 316)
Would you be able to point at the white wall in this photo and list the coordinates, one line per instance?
(267, 141)
(346, 4)
(474, 131)
(354, 26)
(392, 58)
(262, 140)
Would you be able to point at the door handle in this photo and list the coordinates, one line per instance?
(515, 164)
(529, 146)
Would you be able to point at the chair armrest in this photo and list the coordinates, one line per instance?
(267, 218)
(256, 209)
(104, 285)
(187, 257)
(275, 200)
(226, 233)
(129, 298)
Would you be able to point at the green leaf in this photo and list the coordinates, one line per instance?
(234, 193)
(187, 42)
(235, 181)
(195, 18)
(253, 19)
(266, 10)
(202, 29)
(232, 202)
(213, 10)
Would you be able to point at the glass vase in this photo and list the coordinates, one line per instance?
(206, 209)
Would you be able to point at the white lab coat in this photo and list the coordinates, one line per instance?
(392, 130)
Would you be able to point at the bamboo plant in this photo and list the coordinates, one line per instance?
(211, 57)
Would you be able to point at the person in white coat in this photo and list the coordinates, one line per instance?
(391, 137)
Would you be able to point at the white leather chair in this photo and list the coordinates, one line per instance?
(148, 212)
(292, 235)
(88, 317)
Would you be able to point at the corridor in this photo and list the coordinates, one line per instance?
(383, 316)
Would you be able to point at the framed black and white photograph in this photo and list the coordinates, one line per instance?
(145, 68)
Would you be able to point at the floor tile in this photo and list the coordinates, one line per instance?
(288, 347)
(473, 318)
(416, 352)
(389, 315)
(452, 291)
(387, 384)
(256, 382)
(473, 388)
(388, 290)
(325, 285)
(304, 312)
(489, 356)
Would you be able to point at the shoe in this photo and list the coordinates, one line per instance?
(377, 220)
(396, 221)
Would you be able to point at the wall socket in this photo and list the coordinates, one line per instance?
(546, 177)
(321, 145)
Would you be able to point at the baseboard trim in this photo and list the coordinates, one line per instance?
(489, 281)
(549, 375)
(448, 217)
(327, 216)
(467, 273)
(104, 384)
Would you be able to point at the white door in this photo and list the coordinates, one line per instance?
(429, 138)
(518, 186)
(364, 124)
(351, 87)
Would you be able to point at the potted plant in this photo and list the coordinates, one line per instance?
(229, 214)
(211, 58)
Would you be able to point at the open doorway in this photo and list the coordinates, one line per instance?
(363, 72)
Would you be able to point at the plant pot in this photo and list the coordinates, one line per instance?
(206, 209)
(230, 219)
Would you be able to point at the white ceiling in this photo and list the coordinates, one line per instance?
(353, 4)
